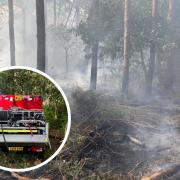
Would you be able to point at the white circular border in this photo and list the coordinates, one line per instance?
(68, 124)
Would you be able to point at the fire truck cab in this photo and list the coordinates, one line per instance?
(22, 123)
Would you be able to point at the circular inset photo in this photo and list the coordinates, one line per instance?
(34, 119)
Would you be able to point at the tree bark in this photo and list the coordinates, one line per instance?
(58, 12)
(170, 11)
(55, 14)
(70, 11)
(143, 64)
(66, 59)
(11, 33)
(171, 59)
(150, 76)
(77, 13)
(152, 58)
(93, 20)
(24, 24)
(125, 81)
(159, 52)
(94, 63)
(46, 25)
(41, 36)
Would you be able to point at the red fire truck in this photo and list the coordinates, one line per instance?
(22, 123)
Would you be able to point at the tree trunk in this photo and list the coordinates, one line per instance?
(24, 24)
(150, 76)
(66, 60)
(125, 81)
(94, 62)
(143, 64)
(77, 13)
(93, 20)
(70, 11)
(159, 53)
(11, 32)
(58, 12)
(171, 59)
(170, 11)
(152, 58)
(46, 25)
(41, 36)
(55, 14)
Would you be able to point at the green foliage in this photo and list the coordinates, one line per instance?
(53, 115)
(102, 16)
(105, 23)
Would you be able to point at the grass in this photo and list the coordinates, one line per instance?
(18, 160)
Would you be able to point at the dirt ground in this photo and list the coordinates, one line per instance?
(113, 139)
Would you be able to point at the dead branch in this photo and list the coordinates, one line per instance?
(135, 140)
(26, 178)
(163, 173)
(20, 177)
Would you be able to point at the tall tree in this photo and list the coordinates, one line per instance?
(152, 57)
(24, 21)
(93, 20)
(70, 12)
(41, 36)
(46, 26)
(77, 12)
(55, 13)
(171, 59)
(125, 81)
(94, 49)
(11, 33)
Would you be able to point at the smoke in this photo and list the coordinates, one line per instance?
(109, 74)
(161, 138)
(25, 35)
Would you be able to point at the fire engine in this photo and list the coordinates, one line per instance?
(22, 124)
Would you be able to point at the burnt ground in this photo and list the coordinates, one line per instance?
(112, 139)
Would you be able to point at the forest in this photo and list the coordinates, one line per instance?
(118, 63)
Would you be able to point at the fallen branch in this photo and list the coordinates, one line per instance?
(135, 140)
(155, 176)
(163, 173)
(15, 175)
(20, 177)
(132, 170)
